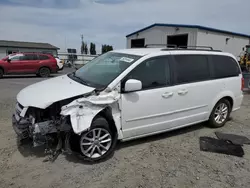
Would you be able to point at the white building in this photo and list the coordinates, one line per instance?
(9, 47)
(188, 35)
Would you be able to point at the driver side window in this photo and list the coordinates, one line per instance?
(15, 58)
(153, 73)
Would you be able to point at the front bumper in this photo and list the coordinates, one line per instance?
(21, 127)
(60, 66)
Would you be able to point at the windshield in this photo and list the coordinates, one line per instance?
(102, 70)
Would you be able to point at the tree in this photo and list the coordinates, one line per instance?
(86, 48)
(106, 48)
(82, 47)
(92, 50)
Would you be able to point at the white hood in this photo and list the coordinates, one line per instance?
(45, 93)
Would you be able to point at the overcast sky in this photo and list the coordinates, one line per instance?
(61, 22)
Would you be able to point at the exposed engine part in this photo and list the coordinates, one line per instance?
(41, 131)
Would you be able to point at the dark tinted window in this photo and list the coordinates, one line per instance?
(191, 68)
(152, 73)
(224, 66)
(43, 57)
(29, 57)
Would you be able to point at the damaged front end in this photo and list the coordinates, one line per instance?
(39, 125)
(63, 118)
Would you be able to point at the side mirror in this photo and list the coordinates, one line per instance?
(132, 85)
(9, 60)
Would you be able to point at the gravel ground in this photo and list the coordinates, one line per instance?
(168, 160)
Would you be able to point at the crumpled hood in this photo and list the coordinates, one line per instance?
(45, 93)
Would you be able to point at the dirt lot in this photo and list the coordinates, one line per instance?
(167, 160)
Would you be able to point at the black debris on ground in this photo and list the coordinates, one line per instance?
(235, 139)
(220, 146)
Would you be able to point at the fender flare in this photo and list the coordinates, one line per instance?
(220, 96)
(42, 67)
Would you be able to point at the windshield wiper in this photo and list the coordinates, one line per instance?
(79, 79)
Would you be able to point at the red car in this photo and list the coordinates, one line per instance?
(28, 63)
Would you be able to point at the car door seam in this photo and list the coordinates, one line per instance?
(168, 113)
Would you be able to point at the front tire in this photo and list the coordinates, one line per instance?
(44, 72)
(220, 114)
(99, 142)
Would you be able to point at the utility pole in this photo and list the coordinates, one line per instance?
(65, 43)
(82, 37)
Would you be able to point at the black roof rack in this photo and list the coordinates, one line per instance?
(175, 47)
(162, 45)
(32, 52)
(196, 47)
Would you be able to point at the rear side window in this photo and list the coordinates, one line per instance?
(43, 57)
(30, 57)
(224, 66)
(191, 68)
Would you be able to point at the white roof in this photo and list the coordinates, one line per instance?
(139, 51)
(160, 51)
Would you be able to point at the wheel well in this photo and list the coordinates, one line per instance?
(230, 100)
(107, 114)
(43, 67)
(2, 69)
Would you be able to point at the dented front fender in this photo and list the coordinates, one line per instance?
(82, 111)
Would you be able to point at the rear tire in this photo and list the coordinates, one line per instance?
(220, 114)
(1, 73)
(44, 72)
(98, 142)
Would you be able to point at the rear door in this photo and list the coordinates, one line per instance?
(31, 62)
(227, 77)
(193, 88)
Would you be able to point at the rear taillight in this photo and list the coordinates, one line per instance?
(242, 84)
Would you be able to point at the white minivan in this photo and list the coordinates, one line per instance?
(128, 94)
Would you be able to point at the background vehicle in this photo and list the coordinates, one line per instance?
(245, 59)
(113, 97)
(60, 63)
(28, 63)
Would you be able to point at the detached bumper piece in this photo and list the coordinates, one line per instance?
(235, 139)
(220, 146)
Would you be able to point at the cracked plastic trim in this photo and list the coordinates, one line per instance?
(83, 110)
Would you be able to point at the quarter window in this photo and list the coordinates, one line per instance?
(191, 68)
(43, 57)
(152, 73)
(224, 66)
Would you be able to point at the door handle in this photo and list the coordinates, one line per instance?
(167, 94)
(183, 92)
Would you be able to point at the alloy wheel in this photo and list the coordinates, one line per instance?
(95, 143)
(221, 113)
(44, 72)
